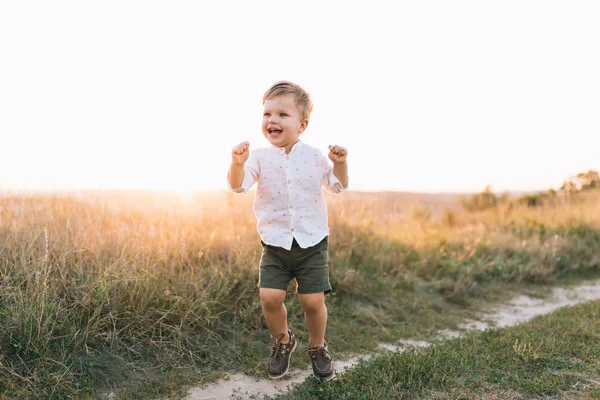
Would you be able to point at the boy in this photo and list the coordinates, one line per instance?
(292, 221)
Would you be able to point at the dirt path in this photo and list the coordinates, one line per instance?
(518, 310)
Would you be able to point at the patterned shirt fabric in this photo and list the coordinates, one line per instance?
(289, 201)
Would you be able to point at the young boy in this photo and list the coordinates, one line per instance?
(292, 220)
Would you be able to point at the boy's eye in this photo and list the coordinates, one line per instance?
(282, 114)
(266, 115)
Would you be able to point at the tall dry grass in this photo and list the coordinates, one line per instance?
(99, 287)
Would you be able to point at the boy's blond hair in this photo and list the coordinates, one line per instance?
(303, 101)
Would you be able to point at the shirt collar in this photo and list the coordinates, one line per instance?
(281, 150)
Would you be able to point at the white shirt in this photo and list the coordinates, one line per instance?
(289, 201)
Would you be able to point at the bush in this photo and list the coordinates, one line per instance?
(480, 201)
(538, 199)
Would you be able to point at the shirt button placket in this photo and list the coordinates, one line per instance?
(287, 171)
(289, 181)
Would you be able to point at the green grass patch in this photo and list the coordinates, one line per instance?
(555, 355)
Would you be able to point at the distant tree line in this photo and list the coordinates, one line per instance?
(582, 181)
(488, 199)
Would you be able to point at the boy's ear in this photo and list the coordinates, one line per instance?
(303, 125)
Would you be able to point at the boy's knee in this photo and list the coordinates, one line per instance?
(272, 299)
(312, 304)
(314, 308)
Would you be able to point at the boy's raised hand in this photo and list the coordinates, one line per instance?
(337, 154)
(240, 153)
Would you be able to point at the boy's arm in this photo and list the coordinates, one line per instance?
(239, 155)
(338, 155)
(340, 170)
(243, 170)
(236, 175)
(335, 179)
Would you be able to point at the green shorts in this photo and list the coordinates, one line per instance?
(309, 266)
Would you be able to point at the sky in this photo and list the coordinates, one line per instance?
(430, 96)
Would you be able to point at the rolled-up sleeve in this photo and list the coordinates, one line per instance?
(250, 174)
(330, 182)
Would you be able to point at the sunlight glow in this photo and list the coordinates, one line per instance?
(427, 96)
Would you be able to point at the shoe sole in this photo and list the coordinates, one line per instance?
(288, 366)
(330, 377)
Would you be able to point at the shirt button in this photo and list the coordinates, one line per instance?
(292, 230)
(289, 181)
(291, 206)
(287, 157)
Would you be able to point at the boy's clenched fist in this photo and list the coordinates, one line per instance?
(337, 154)
(240, 153)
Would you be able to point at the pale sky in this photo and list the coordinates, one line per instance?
(426, 95)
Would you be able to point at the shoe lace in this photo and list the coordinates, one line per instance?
(314, 351)
(278, 346)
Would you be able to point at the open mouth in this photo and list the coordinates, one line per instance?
(274, 132)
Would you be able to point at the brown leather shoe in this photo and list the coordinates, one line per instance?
(322, 362)
(279, 361)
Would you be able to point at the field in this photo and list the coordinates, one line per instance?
(146, 292)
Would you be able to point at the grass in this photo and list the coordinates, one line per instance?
(144, 293)
(552, 356)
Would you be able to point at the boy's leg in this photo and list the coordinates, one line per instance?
(315, 314)
(285, 342)
(275, 312)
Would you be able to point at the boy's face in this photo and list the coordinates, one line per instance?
(282, 123)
